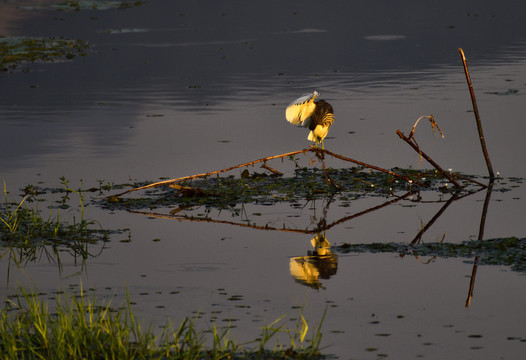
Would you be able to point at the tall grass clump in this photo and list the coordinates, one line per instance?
(24, 227)
(10, 218)
(79, 328)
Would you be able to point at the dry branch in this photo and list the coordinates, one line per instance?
(370, 166)
(191, 177)
(272, 170)
(264, 160)
(477, 116)
(428, 159)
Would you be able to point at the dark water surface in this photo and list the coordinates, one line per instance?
(171, 88)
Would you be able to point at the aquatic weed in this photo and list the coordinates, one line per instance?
(26, 234)
(501, 251)
(225, 193)
(17, 50)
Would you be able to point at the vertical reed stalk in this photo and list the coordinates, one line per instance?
(477, 116)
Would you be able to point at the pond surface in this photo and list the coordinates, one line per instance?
(170, 89)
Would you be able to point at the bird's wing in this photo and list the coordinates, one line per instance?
(300, 110)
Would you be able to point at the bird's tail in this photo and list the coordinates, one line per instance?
(311, 136)
(320, 131)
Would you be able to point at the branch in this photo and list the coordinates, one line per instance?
(477, 116)
(191, 177)
(264, 160)
(429, 160)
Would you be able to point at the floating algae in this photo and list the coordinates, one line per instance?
(501, 251)
(18, 50)
(74, 5)
(345, 185)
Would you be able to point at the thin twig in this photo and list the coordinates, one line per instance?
(433, 125)
(477, 116)
(272, 170)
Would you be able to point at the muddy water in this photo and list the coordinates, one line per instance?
(170, 89)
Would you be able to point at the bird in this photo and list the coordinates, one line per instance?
(317, 115)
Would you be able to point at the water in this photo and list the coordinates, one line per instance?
(171, 89)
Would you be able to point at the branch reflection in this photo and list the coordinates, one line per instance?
(320, 226)
(321, 263)
(489, 189)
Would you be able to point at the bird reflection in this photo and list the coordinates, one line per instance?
(320, 263)
(317, 115)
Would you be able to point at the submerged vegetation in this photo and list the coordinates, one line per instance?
(79, 328)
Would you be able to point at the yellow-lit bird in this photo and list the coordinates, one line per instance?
(317, 115)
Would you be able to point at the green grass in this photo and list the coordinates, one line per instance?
(79, 328)
(27, 233)
(21, 224)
